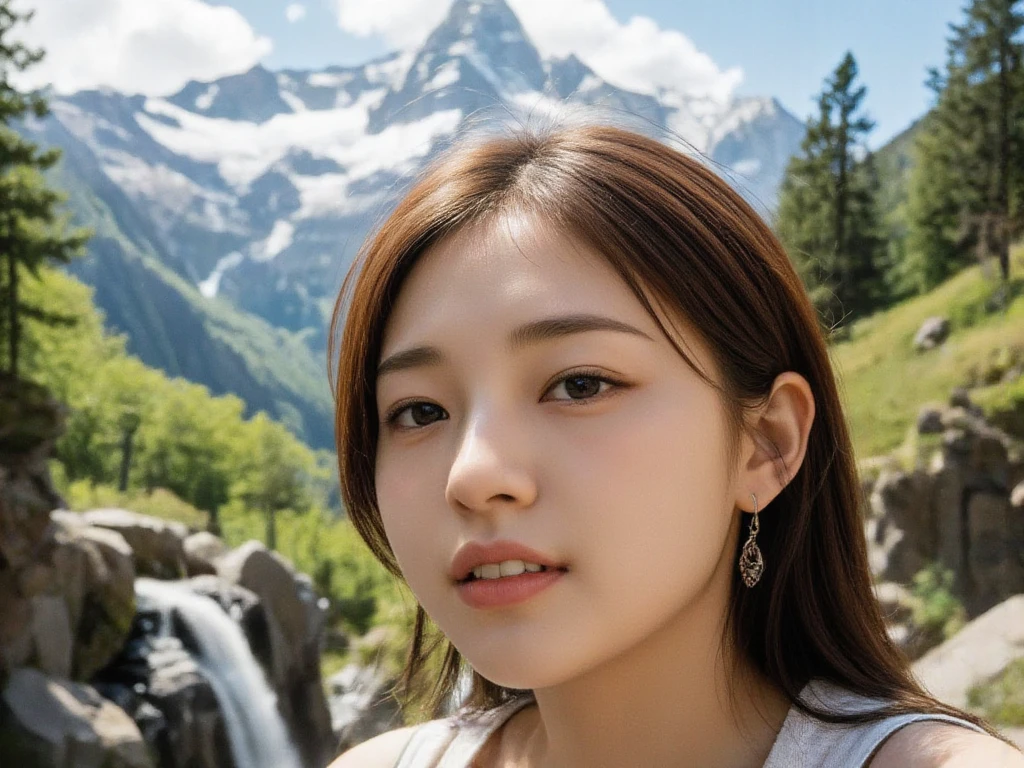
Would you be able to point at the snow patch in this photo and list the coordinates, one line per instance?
(205, 100)
(461, 48)
(446, 75)
(589, 83)
(327, 195)
(209, 287)
(280, 237)
(392, 72)
(330, 79)
(293, 101)
(244, 150)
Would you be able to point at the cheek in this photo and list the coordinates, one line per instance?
(408, 511)
(656, 488)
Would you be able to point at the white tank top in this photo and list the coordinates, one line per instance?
(803, 742)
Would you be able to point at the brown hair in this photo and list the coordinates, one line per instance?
(672, 229)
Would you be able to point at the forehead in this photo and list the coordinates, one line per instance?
(500, 273)
(512, 268)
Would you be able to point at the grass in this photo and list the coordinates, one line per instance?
(1001, 701)
(884, 382)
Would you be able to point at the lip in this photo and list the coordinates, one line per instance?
(475, 554)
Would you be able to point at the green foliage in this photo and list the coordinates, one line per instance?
(197, 446)
(83, 495)
(31, 231)
(936, 611)
(828, 216)
(967, 189)
(1001, 701)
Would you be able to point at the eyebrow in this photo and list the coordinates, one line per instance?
(525, 335)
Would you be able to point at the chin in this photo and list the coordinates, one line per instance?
(524, 665)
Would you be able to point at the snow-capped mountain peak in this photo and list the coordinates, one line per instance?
(259, 185)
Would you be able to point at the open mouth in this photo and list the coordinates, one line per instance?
(505, 571)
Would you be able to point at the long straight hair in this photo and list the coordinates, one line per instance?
(672, 229)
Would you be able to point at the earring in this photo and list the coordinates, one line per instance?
(751, 562)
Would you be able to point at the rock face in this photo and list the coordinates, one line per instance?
(956, 511)
(976, 654)
(295, 630)
(361, 705)
(66, 589)
(60, 724)
(158, 683)
(159, 545)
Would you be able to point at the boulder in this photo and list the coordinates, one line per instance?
(929, 421)
(932, 332)
(59, 724)
(96, 578)
(201, 552)
(361, 704)
(295, 619)
(158, 544)
(976, 654)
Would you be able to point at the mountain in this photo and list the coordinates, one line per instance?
(227, 213)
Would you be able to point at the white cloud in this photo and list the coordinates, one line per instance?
(637, 54)
(295, 12)
(138, 46)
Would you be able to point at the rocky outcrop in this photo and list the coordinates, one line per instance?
(955, 510)
(61, 724)
(361, 704)
(202, 549)
(976, 654)
(69, 628)
(159, 684)
(158, 545)
(295, 629)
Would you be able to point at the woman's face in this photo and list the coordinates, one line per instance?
(526, 397)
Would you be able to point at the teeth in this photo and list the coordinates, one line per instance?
(506, 568)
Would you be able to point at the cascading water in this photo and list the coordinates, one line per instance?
(255, 729)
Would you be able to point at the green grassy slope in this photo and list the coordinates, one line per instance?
(884, 381)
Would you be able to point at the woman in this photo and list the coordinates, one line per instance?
(585, 411)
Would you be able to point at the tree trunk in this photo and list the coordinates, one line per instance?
(1003, 182)
(271, 528)
(126, 458)
(12, 315)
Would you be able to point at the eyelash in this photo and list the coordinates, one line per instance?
(391, 418)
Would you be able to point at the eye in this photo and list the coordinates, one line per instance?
(415, 415)
(580, 386)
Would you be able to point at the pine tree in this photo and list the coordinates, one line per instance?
(967, 194)
(827, 214)
(31, 231)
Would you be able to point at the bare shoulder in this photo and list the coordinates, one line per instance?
(379, 752)
(943, 745)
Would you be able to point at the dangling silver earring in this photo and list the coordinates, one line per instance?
(751, 562)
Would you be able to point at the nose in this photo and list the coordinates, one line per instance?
(489, 473)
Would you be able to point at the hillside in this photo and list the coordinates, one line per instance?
(884, 381)
(169, 324)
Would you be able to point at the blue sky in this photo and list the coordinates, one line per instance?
(781, 48)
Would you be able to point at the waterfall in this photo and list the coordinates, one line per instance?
(255, 728)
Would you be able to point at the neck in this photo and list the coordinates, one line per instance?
(678, 698)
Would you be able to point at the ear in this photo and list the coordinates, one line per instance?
(773, 447)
